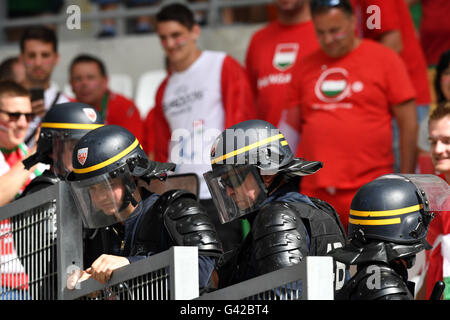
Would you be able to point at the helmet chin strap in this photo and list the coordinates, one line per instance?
(275, 184)
(128, 197)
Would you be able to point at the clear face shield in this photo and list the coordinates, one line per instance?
(435, 190)
(236, 190)
(63, 145)
(104, 200)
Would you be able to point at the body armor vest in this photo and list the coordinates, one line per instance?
(377, 281)
(176, 218)
(279, 238)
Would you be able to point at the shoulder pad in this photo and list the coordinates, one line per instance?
(275, 217)
(46, 179)
(188, 224)
(280, 238)
(169, 196)
(378, 282)
(329, 209)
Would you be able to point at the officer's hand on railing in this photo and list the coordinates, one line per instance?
(76, 277)
(103, 267)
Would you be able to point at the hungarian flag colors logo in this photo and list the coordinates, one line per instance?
(333, 85)
(285, 55)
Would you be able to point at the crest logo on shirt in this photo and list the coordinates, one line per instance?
(285, 55)
(90, 113)
(82, 155)
(333, 85)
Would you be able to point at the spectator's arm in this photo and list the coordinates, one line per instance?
(205, 269)
(392, 39)
(12, 181)
(289, 125)
(406, 116)
(237, 95)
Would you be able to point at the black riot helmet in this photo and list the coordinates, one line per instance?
(61, 128)
(252, 148)
(390, 216)
(106, 164)
(398, 209)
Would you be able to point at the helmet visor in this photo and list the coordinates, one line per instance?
(104, 200)
(434, 189)
(236, 190)
(63, 145)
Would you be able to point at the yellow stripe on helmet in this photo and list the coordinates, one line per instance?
(247, 148)
(110, 160)
(386, 213)
(378, 222)
(79, 126)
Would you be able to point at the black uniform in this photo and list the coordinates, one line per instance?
(388, 224)
(288, 227)
(255, 175)
(136, 223)
(379, 275)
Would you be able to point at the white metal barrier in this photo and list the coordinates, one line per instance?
(311, 279)
(44, 233)
(169, 275)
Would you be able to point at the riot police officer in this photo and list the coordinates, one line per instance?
(253, 177)
(388, 225)
(109, 179)
(61, 128)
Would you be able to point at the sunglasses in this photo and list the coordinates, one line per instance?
(15, 116)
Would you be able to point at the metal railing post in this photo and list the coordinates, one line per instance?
(184, 273)
(69, 239)
(319, 280)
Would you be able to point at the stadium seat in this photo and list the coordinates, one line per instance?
(122, 84)
(146, 88)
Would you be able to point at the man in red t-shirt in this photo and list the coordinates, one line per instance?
(391, 24)
(272, 53)
(346, 93)
(89, 82)
(438, 259)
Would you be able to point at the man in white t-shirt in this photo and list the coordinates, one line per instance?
(206, 92)
(39, 53)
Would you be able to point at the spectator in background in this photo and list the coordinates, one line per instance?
(205, 92)
(442, 80)
(439, 234)
(89, 81)
(39, 54)
(15, 115)
(396, 30)
(346, 93)
(272, 53)
(12, 69)
(441, 85)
